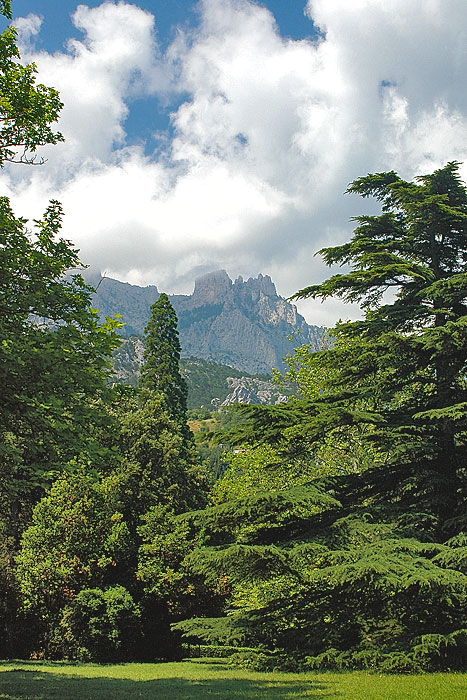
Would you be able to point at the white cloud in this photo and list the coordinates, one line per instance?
(28, 28)
(271, 132)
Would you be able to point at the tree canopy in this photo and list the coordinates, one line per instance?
(315, 549)
(410, 351)
(363, 569)
(53, 352)
(402, 368)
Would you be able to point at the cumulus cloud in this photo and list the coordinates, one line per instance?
(270, 132)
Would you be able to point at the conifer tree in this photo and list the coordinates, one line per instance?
(365, 570)
(401, 368)
(161, 369)
(411, 352)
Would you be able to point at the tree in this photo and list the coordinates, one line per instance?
(408, 354)
(366, 569)
(341, 449)
(26, 110)
(260, 469)
(159, 463)
(53, 353)
(53, 361)
(401, 369)
(161, 368)
(78, 540)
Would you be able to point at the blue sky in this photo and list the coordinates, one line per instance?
(223, 133)
(148, 115)
(57, 27)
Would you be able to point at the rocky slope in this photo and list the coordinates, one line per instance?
(243, 324)
(252, 390)
(210, 385)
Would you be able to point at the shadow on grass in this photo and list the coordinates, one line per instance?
(34, 684)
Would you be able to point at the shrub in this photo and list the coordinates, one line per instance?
(101, 625)
(213, 651)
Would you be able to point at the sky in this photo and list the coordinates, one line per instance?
(224, 133)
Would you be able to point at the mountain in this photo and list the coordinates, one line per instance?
(242, 324)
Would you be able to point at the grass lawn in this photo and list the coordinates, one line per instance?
(203, 679)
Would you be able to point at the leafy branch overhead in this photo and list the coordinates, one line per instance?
(27, 109)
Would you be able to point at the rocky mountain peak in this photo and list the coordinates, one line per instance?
(262, 284)
(212, 287)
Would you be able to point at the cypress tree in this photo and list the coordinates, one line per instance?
(161, 369)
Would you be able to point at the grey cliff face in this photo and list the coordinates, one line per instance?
(211, 288)
(243, 324)
(251, 390)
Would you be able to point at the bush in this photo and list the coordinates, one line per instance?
(263, 660)
(101, 625)
(399, 662)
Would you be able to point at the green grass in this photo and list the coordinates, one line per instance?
(203, 679)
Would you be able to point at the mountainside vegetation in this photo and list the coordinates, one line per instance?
(209, 383)
(327, 532)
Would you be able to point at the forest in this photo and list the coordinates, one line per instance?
(336, 536)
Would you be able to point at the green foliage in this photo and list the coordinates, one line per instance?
(213, 651)
(100, 625)
(26, 109)
(371, 580)
(9, 595)
(53, 360)
(337, 543)
(345, 448)
(160, 463)
(410, 355)
(301, 577)
(392, 388)
(78, 539)
(207, 381)
(161, 369)
(166, 541)
(5, 8)
(52, 350)
(251, 470)
(213, 631)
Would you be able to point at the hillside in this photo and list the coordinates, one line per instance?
(209, 384)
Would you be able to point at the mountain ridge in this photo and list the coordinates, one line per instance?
(243, 324)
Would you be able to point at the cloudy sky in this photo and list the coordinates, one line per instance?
(223, 133)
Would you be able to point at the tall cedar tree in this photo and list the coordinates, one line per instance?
(403, 367)
(161, 369)
(412, 351)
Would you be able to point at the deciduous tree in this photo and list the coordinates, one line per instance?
(27, 109)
